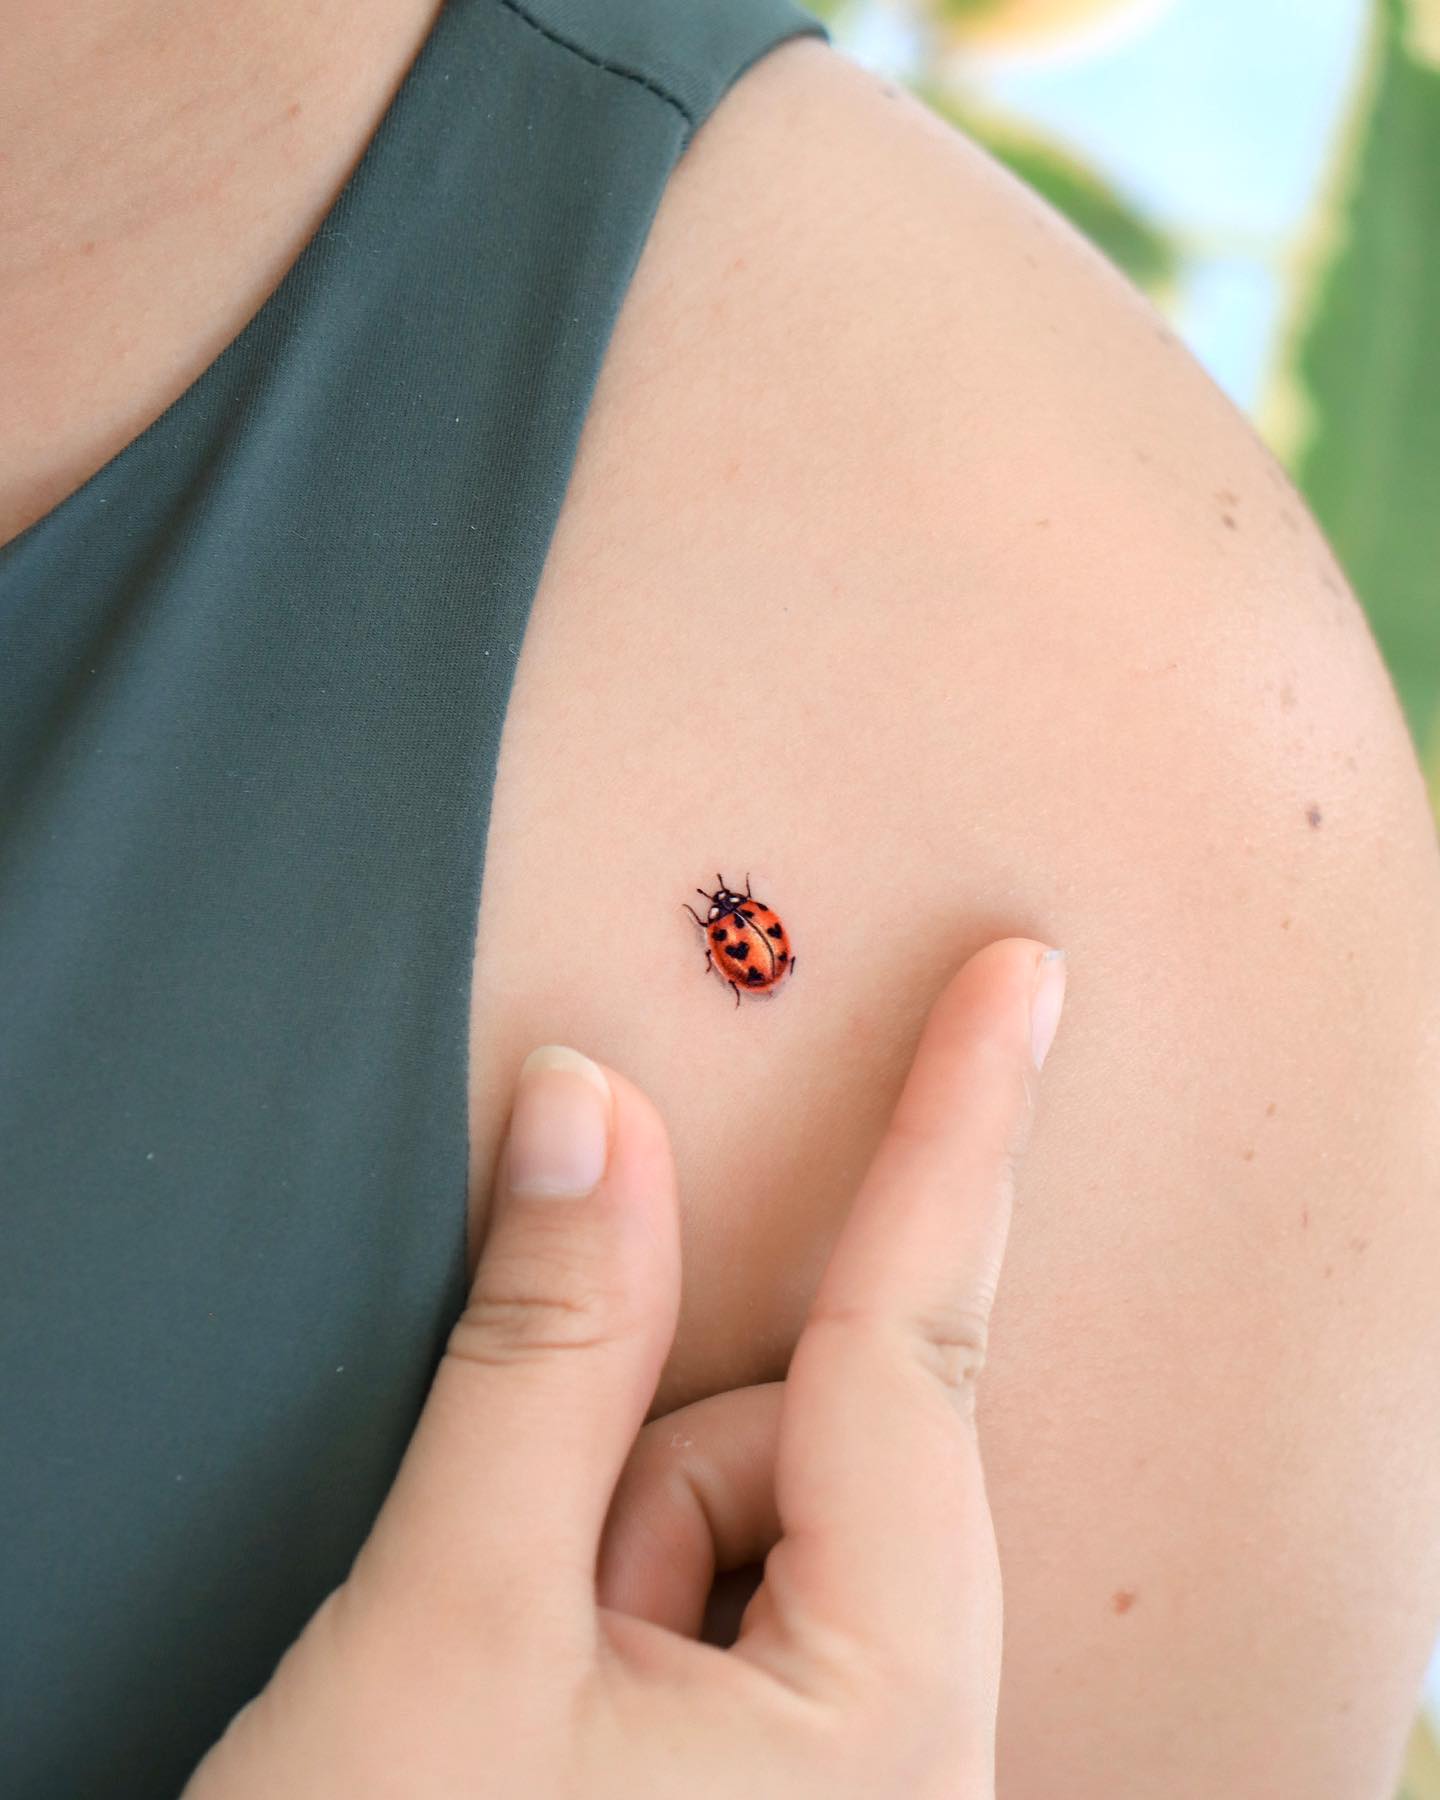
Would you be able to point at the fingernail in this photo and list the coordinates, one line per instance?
(1045, 1003)
(560, 1124)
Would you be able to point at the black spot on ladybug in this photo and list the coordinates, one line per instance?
(738, 951)
(774, 931)
(745, 913)
(784, 956)
(753, 977)
(718, 935)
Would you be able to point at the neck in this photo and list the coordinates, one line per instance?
(119, 115)
(161, 166)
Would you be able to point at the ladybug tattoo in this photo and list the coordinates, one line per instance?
(746, 943)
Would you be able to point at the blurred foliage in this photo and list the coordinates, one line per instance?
(1133, 241)
(1364, 368)
(1355, 406)
(1110, 220)
(1421, 1778)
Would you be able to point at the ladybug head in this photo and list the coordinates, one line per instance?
(723, 899)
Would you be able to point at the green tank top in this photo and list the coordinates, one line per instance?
(253, 675)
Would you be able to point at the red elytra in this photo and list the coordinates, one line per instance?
(746, 943)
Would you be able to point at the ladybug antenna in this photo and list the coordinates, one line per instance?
(702, 891)
(720, 879)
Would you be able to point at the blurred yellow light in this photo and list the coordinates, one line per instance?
(1025, 23)
(1422, 31)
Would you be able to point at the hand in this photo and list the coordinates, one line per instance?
(506, 1631)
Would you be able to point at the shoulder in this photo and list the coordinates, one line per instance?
(904, 536)
(865, 382)
(910, 566)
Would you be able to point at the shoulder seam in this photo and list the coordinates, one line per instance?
(600, 62)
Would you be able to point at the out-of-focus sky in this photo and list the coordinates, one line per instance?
(1219, 117)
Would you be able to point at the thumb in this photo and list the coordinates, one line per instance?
(548, 1373)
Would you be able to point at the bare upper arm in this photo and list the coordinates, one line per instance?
(910, 567)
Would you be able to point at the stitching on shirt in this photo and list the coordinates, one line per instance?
(600, 62)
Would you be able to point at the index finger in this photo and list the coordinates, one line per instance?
(887, 1547)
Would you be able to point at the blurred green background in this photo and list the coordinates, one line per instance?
(1269, 172)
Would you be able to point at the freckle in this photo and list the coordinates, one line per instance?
(1350, 763)
(1359, 1245)
(292, 111)
(1032, 259)
(732, 469)
(1292, 520)
(1287, 698)
(1304, 1218)
(1123, 1600)
(1040, 522)
(1229, 520)
(1314, 815)
(1226, 498)
(1247, 1155)
(1142, 455)
(739, 263)
(1329, 1270)
(1270, 1110)
(88, 247)
(1285, 924)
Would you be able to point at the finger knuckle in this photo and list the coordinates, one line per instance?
(952, 1342)
(513, 1327)
(536, 1301)
(949, 1339)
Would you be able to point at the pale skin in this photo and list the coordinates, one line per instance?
(524, 1616)
(1023, 632)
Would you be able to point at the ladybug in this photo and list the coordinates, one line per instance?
(746, 942)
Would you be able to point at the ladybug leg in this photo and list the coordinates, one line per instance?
(709, 962)
(737, 994)
(686, 907)
(793, 961)
(748, 894)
